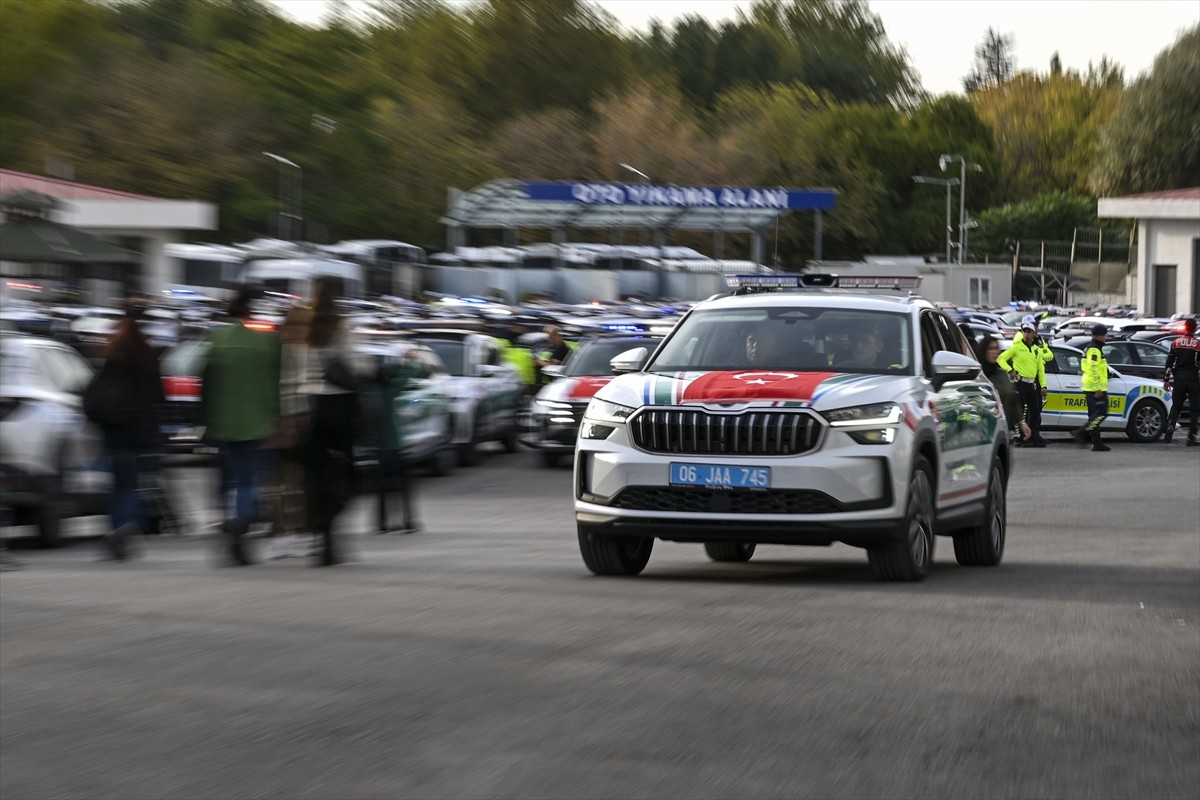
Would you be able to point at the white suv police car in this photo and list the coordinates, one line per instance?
(796, 418)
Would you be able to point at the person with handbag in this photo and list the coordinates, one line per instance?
(240, 401)
(333, 384)
(123, 400)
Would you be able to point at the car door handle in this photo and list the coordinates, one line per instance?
(1074, 386)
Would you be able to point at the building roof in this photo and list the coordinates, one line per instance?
(12, 182)
(1170, 194)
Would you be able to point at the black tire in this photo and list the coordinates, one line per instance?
(730, 552)
(469, 454)
(1147, 422)
(51, 513)
(614, 554)
(511, 441)
(982, 545)
(910, 556)
(550, 459)
(443, 461)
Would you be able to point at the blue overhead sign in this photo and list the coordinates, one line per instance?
(649, 194)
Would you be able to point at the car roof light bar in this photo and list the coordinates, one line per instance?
(747, 284)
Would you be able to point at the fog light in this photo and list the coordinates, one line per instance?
(874, 436)
(594, 430)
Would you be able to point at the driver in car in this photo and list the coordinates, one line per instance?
(865, 347)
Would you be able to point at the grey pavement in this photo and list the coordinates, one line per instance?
(480, 658)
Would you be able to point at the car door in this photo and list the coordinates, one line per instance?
(1151, 358)
(1066, 405)
(967, 417)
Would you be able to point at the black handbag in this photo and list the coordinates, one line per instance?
(338, 374)
(105, 399)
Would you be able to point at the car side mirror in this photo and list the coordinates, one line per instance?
(948, 366)
(553, 370)
(629, 361)
(490, 370)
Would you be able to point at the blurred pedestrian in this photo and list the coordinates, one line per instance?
(1095, 387)
(988, 351)
(394, 380)
(123, 400)
(333, 382)
(240, 400)
(1182, 379)
(1025, 366)
(292, 531)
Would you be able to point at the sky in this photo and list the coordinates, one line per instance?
(940, 35)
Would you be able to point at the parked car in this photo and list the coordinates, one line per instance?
(1137, 406)
(425, 410)
(484, 391)
(558, 408)
(1129, 356)
(51, 464)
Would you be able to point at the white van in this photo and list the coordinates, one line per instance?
(207, 269)
(295, 276)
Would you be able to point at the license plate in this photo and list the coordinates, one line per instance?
(720, 476)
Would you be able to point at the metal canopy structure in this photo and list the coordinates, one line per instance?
(559, 206)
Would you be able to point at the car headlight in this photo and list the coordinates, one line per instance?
(861, 416)
(553, 405)
(604, 411)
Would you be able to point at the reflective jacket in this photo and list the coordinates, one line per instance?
(1026, 360)
(1094, 367)
(1040, 345)
(519, 358)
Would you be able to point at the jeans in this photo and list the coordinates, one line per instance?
(124, 505)
(241, 470)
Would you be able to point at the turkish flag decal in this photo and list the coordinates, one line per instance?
(750, 385)
(585, 387)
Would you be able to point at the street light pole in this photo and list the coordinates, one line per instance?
(944, 161)
(295, 204)
(949, 183)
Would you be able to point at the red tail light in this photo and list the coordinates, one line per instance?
(181, 387)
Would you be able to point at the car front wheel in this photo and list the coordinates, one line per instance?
(615, 554)
(909, 557)
(1147, 422)
(730, 552)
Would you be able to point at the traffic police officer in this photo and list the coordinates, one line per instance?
(1095, 387)
(1183, 370)
(1025, 365)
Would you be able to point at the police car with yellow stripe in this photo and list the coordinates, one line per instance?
(1137, 406)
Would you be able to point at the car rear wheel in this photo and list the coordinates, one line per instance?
(909, 557)
(731, 552)
(50, 515)
(615, 554)
(1147, 422)
(983, 545)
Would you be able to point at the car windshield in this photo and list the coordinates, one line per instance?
(789, 338)
(592, 358)
(452, 352)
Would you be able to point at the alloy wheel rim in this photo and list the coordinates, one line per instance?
(918, 525)
(1149, 421)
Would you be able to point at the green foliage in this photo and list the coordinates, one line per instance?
(1050, 217)
(1152, 141)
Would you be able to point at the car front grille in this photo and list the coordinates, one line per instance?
(749, 433)
(773, 501)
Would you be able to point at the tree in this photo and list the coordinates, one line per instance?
(1053, 216)
(994, 62)
(1152, 142)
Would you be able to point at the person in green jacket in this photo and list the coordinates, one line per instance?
(1095, 386)
(394, 379)
(241, 409)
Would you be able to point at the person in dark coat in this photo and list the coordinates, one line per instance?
(132, 432)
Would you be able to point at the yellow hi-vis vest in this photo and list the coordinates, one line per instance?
(1026, 360)
(1095, 369)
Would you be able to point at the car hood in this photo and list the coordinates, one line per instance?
(818, 390)
(574, 390)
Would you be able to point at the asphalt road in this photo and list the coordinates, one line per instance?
(480, 659)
